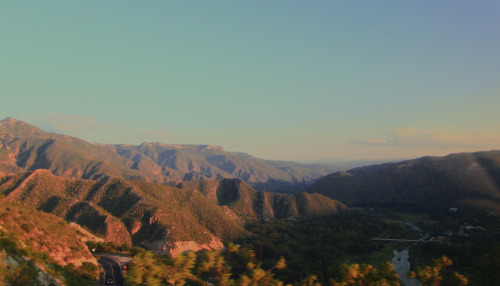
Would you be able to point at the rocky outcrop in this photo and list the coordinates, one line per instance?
(177, 248)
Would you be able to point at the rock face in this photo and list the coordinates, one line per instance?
(25, 147)
(180, 247)
(460, 180)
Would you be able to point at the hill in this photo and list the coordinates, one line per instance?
(456, 180)
(41, 247)
(244, 201)
(163, 218)
(24, 147)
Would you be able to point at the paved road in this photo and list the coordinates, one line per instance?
(112, 270)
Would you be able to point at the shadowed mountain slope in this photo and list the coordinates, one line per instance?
(464, 179)
(243, 200)
(25, 147)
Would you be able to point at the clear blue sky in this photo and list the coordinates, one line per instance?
(292, 80)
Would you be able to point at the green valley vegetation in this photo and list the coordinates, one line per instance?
(319, 246)
(471, 239)
(41, 249)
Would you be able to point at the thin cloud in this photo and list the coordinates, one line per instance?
(67, 123)
(410, 136)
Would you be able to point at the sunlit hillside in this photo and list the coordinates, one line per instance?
(36, 246)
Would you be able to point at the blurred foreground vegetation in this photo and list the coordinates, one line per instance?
(238, 266)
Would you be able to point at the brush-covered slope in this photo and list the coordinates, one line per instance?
(43, 232)
(36, 246)
(25, 147)
(163, 218)
(244, 201)
(464, 179)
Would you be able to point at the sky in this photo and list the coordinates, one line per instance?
(282, 80)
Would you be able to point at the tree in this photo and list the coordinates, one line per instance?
(181, 270)
(365, 274)
(435, 275)
(144, 270)
(4, 271)
(258, 276)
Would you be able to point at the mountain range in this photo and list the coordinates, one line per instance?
(171, 198)
(167, 198)
(24, 147)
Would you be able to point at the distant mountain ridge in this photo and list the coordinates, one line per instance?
(458, 180)
(24, 147)
(248, 203)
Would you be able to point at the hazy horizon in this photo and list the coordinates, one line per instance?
(280, 80)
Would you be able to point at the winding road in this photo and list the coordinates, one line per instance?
(112, 270)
